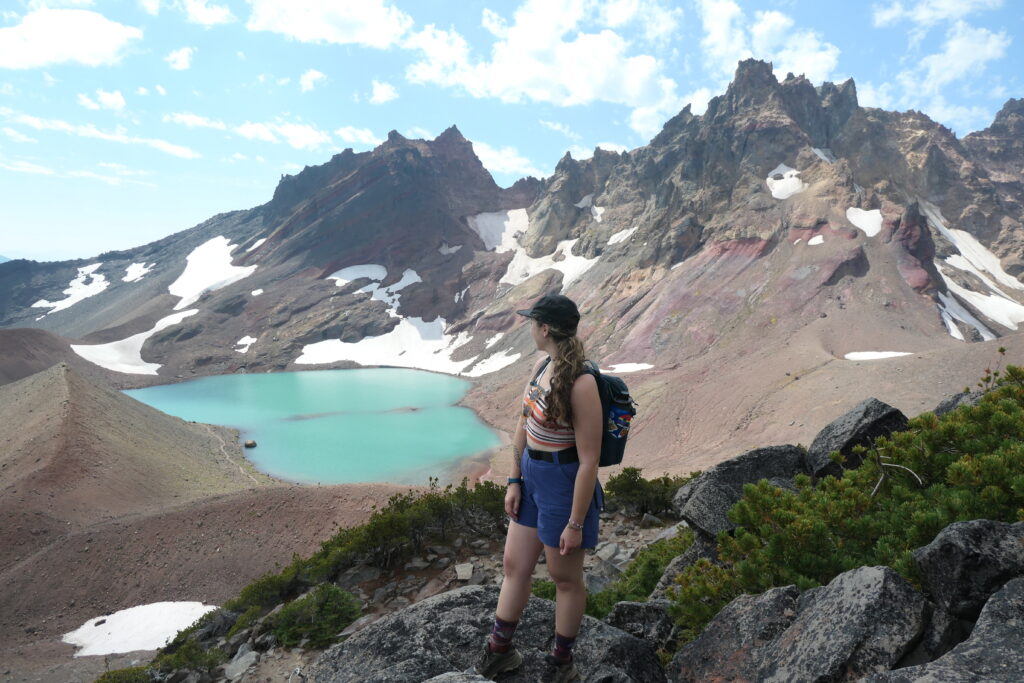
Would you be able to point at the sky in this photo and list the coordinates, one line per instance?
(123, 121)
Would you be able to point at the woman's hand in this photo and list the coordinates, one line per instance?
(513, 495)
(570, 540)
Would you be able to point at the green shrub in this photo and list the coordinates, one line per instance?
(319, 616)
(190, 655)
(969, 464)
(135, 674)
(245, 620)
(543, 588)
(641, 496)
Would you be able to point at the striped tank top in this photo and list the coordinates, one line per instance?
(543, 434)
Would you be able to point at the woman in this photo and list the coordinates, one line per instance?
(553, 498)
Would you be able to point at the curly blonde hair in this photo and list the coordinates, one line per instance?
(565, 368)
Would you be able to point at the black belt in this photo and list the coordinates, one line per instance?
(564, 456)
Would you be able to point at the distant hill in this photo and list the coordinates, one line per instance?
(3, 258)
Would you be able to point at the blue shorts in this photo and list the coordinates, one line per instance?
(547, 500)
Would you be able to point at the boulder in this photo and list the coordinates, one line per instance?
(649, 521)
(457, 677)
(969, 561)
(670, 532)
(240, 664)
(951, 403)
(702, 547)
(446, 633)
(867, 421)
(648, 620)
(704, 502)
(993, 652)
(864, 621)
(251, 443)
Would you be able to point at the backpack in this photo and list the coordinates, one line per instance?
(618, 408)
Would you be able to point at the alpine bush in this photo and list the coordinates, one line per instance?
(968, 464)
(629, 490)
(318, 616)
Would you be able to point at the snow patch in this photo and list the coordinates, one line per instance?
(523, 267)
(353, 273)
(126, 355)
(493, 340)
(208, 268)
(585, 202)
(88, 283)
(493, 364)
(816, 240)
(146, 627)
(875, 355)
(825, 154)
(786, 186)
(621, 235)
(995, 307)
(798, 241)
(498, 229)
(245, 343)
(256, 292)
(596, 212)
(256, 245)
(868, 221)
(136, 271)
(629, 367)
(951, 308)
(972, 250)
(446, 250)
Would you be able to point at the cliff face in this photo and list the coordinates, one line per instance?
(786, 226)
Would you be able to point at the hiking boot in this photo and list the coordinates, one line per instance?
(557, 671)
(493, 663)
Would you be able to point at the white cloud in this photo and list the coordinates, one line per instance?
(309, 80)
(256, 131)
(180, 59)
(20, 166)
(87, 102)
(382, 92)
(142, 90)
(698, 100)
(201, 12)
(91, 131)
(150, 6)
(373, 23)
(581, 153)
(505, 160)
(560, 128)
(358, 136)
(58, 36)
(870, 95)
(612, 147)
(160, 89)
(543, 56)
(725, 40)
(18, 137)
(190, 120)
(656, 21)
(55, 4)
(417, 132)
(110, 100)
(49, 80)
(301, 135)
(929, 12)
(965, 53)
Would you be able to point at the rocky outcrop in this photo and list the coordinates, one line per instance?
(446, 634)
(867, 421)
(704, 502)
(649, 620)
(969, 561)
(862, 622)
(993, 651)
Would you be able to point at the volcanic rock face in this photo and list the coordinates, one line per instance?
(755, 244)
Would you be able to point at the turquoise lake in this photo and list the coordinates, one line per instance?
(337, 426)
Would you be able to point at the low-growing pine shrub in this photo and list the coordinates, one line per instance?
(968, 464)
(190, 655)
(640, 496)
(134, 674)
(319, 616)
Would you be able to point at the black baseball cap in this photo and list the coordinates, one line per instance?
(557, 310)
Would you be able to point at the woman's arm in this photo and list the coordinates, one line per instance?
(587, 422)
(514, 494)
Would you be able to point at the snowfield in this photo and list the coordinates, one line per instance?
(245, 342)
(126, 355)
(146, 627)
(207, 268)
(629, 367)
(88, 283)
(136, 271)
(621, 235)
(875, 355)
(868, 221)
(786, 186)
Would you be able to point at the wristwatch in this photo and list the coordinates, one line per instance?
(515, 480)
(574, 525)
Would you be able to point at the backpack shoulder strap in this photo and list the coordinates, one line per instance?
(541, 369)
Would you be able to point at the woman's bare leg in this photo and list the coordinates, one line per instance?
(522, 549)
(570, 591)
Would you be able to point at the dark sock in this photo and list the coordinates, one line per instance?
(501, 635)
(563, 647)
